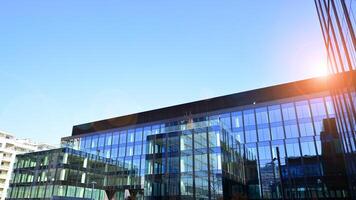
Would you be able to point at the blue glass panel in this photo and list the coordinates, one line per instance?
(115, 139)
(329, 106)
(122, 137)
(303, 110)
(291, 131)
(308, 147)
(239, 136)
(108, 139)
(277, 132)
(155, 129)
(264, 151)
(318, 107)
(236, 118)
(225, 120)
(138, 149)
(129, 150)
(251, 136)
(138, 134)
(101, 140)
(122, 150)
(82, 143)
(274, 113)
(306, 129)
(114, 152)
(282, 152)
(130, 136)
(262, 116)
(292, 146)
(264, 134)
(249, 117)
(288, 111)
(94, 141)
(146, 132)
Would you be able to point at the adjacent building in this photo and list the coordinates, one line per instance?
(337, 21)
(275, 142)
(9, 148)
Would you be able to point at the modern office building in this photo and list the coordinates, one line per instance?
(275, 142)
(9, 148)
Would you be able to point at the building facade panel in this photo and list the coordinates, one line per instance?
(280, 148)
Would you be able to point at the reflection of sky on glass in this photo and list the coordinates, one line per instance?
(69, 62)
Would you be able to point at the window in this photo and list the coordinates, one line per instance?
(308, 148)
(261, 115)
(306, 129)
(318, 107)
(215, 161)
(251, 153)
(123, 137)
(186, 142)
(138, 149)
(108, 139)
(101, 140)
(87, 141)
(251, 136)
(129, 150)
(264, 151)
(249, 118)
(330, 106)
(292, 147)
(291, 131)
(82, 143)
(138, 134)
(130, 136)
(122, 151)
(146, 132)
(186, 163)
(94, 141)
(225, 120)
(239, 136)
(288, 111)
(114, 152)
(280, 145)
(214, 139)
(318, 125)
(303, 110)
(277, 132)
(263, 134)
(236, 118)
(200, 140)
(201, 162)
(274, 113)
(155, 129)
(115, 138)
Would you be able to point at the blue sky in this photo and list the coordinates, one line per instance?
(69, 62)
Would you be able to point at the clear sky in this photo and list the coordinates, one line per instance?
(69, 62)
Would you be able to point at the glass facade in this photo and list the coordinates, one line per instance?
(287, 148)
(337, 22)
(228, 154)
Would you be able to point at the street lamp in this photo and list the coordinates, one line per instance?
(279, 171)
(92, 188)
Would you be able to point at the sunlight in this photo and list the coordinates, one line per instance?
(320, 68)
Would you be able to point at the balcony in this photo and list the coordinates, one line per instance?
(4, 167)
(3, 176)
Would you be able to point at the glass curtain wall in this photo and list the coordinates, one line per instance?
(337, 21)
(267, 151)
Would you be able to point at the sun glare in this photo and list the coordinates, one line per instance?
(321, 69)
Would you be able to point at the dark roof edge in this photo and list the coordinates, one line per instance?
(286, 90)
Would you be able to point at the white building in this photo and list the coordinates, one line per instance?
(9, 147)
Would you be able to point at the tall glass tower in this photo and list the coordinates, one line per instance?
(337, 20)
